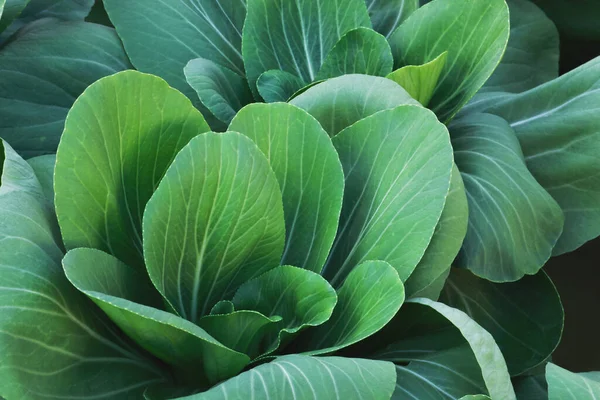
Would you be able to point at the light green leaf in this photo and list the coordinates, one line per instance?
(420, 81)
(43, 167)
(215, 221)
(310, 175)
(278, 86)
(398, 165)
(513, 222)
(527, 328)
(129, 299)
(386, 15)
(359, 51)
(558, 127)
(296, 36)
(220, 89)
(565, 385)
(300, 297)
(430, 274)
(301, 377)
(531, 56)
(43, 70)
(473, 32)
(369, 298)
(40, 309)
(120, 137)
(242, 331)
(441, 353)
(340, 102)
(9, 10)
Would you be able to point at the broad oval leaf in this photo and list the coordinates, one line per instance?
(430, 274)
(276, 85)
(359, 51)
(220, 89)
(44, 69)
(398, 165)
(295, 36)
(302, 377)
(386, 15)
(513, 222)
(558, 128)
(340, 102)
(420, 81)
(120, 137)
(131, 302)
(310, 176)
(301, 298)
(527, 328)
(473, 32)
(215, 221)
(565, 385)
(95, 360)
(369, 298)
(531, 57)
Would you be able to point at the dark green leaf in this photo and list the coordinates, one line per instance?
(513, 222)
(276, 85)
(54, 342)
(369, 298)
(359, 51)
(420, 81)
(43, 70)
(296, 36)
(340, 102)
(525, 317)
(126, 295)
(301, 377)
(300, 297)
(120, 137)
(221, 90)
(386, 15)
(580, 22)
(430, 274)
(9, 10)
(531, 387)
(309, 173)
(565, 385)
(473, 32)
(398, 165)
(215, 221)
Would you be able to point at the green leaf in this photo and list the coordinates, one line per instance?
(513, 222)
(558, 128)
(578, 22)
(43, 70)
(120, 137)
(340, 102)
(242, 331)
(473, 32)
(420, 81)
(476, 397)
(222, 307)
(386, 15)
(54, 342)
(9, 10)
(301, 377)
(430, 274)
(441, 353)
(215, 221)
(309, 173)
(369, 298)
(398, 165)
(525, 317)
(295, 36)
(531, 57)
(565, 385)
(531, 387)
(43, 166)
(359, 51)
(300, 297)
(221, 90)
(129, 299)
(278, 86)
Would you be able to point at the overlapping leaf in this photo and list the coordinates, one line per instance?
(386, 15)
(565, 385)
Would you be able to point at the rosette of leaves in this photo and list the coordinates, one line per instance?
(153, 257)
